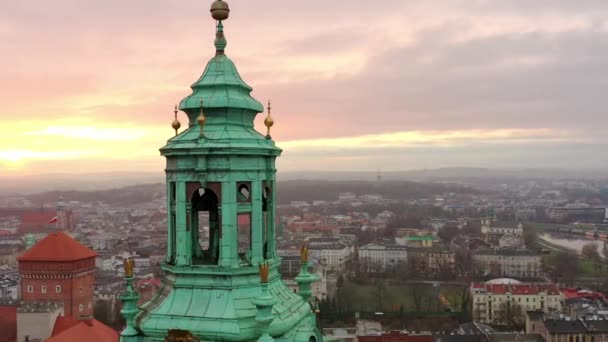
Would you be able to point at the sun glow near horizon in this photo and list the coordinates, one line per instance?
(122, 145)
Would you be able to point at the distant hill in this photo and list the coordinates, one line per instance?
(478, 177)
(455, 173)
(328, 190)
(295, 190)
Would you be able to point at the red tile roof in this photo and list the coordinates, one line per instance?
(8, 323)
(524, 289)
(519, 289)
(497, 288)
(89, 331)
(57, 246)
(63, 323)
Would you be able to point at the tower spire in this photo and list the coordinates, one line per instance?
(220, 12)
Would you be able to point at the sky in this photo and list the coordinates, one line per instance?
(89, 86)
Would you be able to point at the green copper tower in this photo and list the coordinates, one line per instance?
(221, 197)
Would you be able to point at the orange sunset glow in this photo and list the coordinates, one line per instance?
(90, 86)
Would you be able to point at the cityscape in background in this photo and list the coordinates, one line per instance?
(429, 259)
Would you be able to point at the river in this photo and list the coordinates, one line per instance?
(575, 242)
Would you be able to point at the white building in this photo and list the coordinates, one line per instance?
(508, 262)
(332, 253)
(505, 302)
(382, 257)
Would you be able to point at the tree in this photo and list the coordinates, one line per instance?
(530, 237)
(473, 227)
(463, 260)
(565, 266)
(448, 232)
(590, 252)
(416, 265)
(417, 293)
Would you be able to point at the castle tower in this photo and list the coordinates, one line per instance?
(64, 216)
(59, 269)
(221, 194)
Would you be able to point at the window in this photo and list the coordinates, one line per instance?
(244, 234)
(58, 289)
(205, 222)
(43, 289)
(30, 289)
(81, 308)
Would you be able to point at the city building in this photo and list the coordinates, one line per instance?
(505, 302)
(58, 268)
(420, 241)
(332, 253)
(222, 280)
(44, 220)
(382, 257)
(430, 261)
(8, 321)
(577, 212)
(567, 329)
(493, 232)
(68, 329)
(35, 320)
(508, 262)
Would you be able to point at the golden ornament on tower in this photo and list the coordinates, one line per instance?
(268, 122)
(176, 124)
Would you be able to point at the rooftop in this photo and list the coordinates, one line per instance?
(86, 330)
(57, 246)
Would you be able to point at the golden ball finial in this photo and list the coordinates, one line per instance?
(268, 122)
(220, 10)
(176, 124)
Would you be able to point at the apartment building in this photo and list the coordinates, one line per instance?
(382, 257)
(506, 302)
(508, 262)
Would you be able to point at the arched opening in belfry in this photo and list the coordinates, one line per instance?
(172, 224)
(266, 223)
(205, 225)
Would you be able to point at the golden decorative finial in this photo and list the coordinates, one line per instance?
(268, 122)
(129, 265)
(176, 124)
(220, 10)
(201, 119)
(264, 272)
(176, 335)
(304, 254)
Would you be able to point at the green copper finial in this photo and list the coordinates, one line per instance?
(129, 299)
(264, 304)
(220, 40)
(305, 278)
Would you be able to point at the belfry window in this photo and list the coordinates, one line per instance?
(244, 192)
(265, 204)
(244, 237)
(172, 222)
(205, 226)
